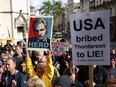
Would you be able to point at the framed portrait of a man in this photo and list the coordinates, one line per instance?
(40, 33)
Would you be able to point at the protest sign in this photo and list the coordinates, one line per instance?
(59, 48)
(40, 32)
(90, 38)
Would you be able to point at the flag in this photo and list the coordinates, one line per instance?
(8, 32)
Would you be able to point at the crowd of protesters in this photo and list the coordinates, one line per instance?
(20, 67)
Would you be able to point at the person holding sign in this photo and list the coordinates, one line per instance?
(100, 75)
(44, 71)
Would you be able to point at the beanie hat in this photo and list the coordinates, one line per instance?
(63, 81)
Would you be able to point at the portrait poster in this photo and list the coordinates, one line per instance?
(40, 33)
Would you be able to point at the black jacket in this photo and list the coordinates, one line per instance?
(100, 75)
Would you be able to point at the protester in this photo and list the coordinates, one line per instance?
(35, 82)
(62, 81)
(8, 50)
(37, 55)
(3, 57)
(22, 68)
(1, 71)
(22, 45)
(56, 72)
(13, 49)
(8, 43)
(111, 81)
(62, 62)
(100, 75)
(112, 67)
(12, 77)
(44, 72)
(71, 70)
(113, 53)
(65, 81)
(19, 56)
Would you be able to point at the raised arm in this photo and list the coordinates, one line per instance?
(29, 66)
(49, 66)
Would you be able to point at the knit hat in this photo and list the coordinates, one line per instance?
(63, 81)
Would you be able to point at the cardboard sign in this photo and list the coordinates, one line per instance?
(90, 38)
(59, 48)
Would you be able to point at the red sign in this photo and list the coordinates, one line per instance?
(59, 48)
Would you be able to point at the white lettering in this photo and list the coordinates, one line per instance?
(38, 44)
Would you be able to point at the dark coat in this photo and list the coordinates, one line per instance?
(18, 77)
(100, 75)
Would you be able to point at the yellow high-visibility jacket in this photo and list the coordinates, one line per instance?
(47, 76)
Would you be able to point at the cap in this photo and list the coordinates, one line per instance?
(22, 41)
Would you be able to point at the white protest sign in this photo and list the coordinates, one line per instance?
(90, 38)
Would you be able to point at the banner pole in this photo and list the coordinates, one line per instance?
(91, 75)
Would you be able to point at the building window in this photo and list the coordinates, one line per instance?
(99, 1)
(20, 29)
(111, 11)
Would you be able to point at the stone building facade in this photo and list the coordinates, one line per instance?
(14, 16)
(96, 5)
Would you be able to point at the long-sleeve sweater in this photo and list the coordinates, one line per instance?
(47, 76)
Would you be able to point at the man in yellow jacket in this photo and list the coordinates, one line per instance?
(43, 71)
